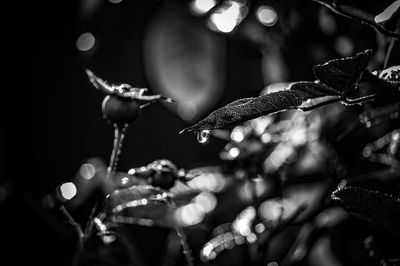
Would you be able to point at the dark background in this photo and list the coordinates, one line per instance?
(51, 118)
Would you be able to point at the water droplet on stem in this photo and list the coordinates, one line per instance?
(119, 135)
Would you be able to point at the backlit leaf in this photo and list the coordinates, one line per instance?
(391, 75)
(245, 109)
(388, 13)
(337, 77)
(343, 74)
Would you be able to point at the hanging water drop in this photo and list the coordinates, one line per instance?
(202, 136)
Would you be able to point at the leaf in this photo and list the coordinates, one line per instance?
(388, 13)
(312, 90)
(245, 109)
(385, 81)
(142, 205)
(391, 75)
(380, 209)
(343, 74)
(125, 90)
(338, 77)
(99, 83)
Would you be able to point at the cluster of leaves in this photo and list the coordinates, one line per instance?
(148, 202)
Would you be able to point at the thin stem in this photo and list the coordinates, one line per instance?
(185, 246)
(182, 237)
(119, 135)
(391, 45)
(354, 13)
(360, 100)
(72, 221)
(347, 101)
(369, 98)
(309, 108)
(389, 51)
(89, 224)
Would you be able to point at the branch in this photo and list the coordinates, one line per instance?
(357, 14)
(72, 221)
(347, 101)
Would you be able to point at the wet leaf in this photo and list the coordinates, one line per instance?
(124, 90)
(390, 75)
(380, 209)
(337, 77)
(386, 82)
(388, 13)
(343, 74)
(141, 205)
(245, 109)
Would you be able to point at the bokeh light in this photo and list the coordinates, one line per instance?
(344, 46)
(228, 16)
(201, 7)
(271, 210)
(187, 110)
(68, 190)
(267, 16)
(206, 180)
(189, 214)
(206, 200)
(87, 171)
(85, 42)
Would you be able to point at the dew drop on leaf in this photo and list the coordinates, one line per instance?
(203, 135)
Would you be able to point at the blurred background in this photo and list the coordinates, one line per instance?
(51, 120)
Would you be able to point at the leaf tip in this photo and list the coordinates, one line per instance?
(167, 99)
(367, 52)
(89, 72)
(92, 77)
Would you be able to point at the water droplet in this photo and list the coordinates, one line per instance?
(108, 239)
(124, 180)
(203, 136)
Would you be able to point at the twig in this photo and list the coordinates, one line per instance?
(389, 51)
(186, 249)
(72, 221)
(119, 134)
(309, 108)
(347, 101)
(357, 14)
(182, 237)
(89, 224)
(391, 44)
(360, 100)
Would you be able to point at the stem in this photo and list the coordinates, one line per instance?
(119, 135)
(389, 51)
(391, 44)
(360, 100)
(72, 221)
(309, 108)
(347, 101)
(354, 13)
(182, 237)
(185, 246)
